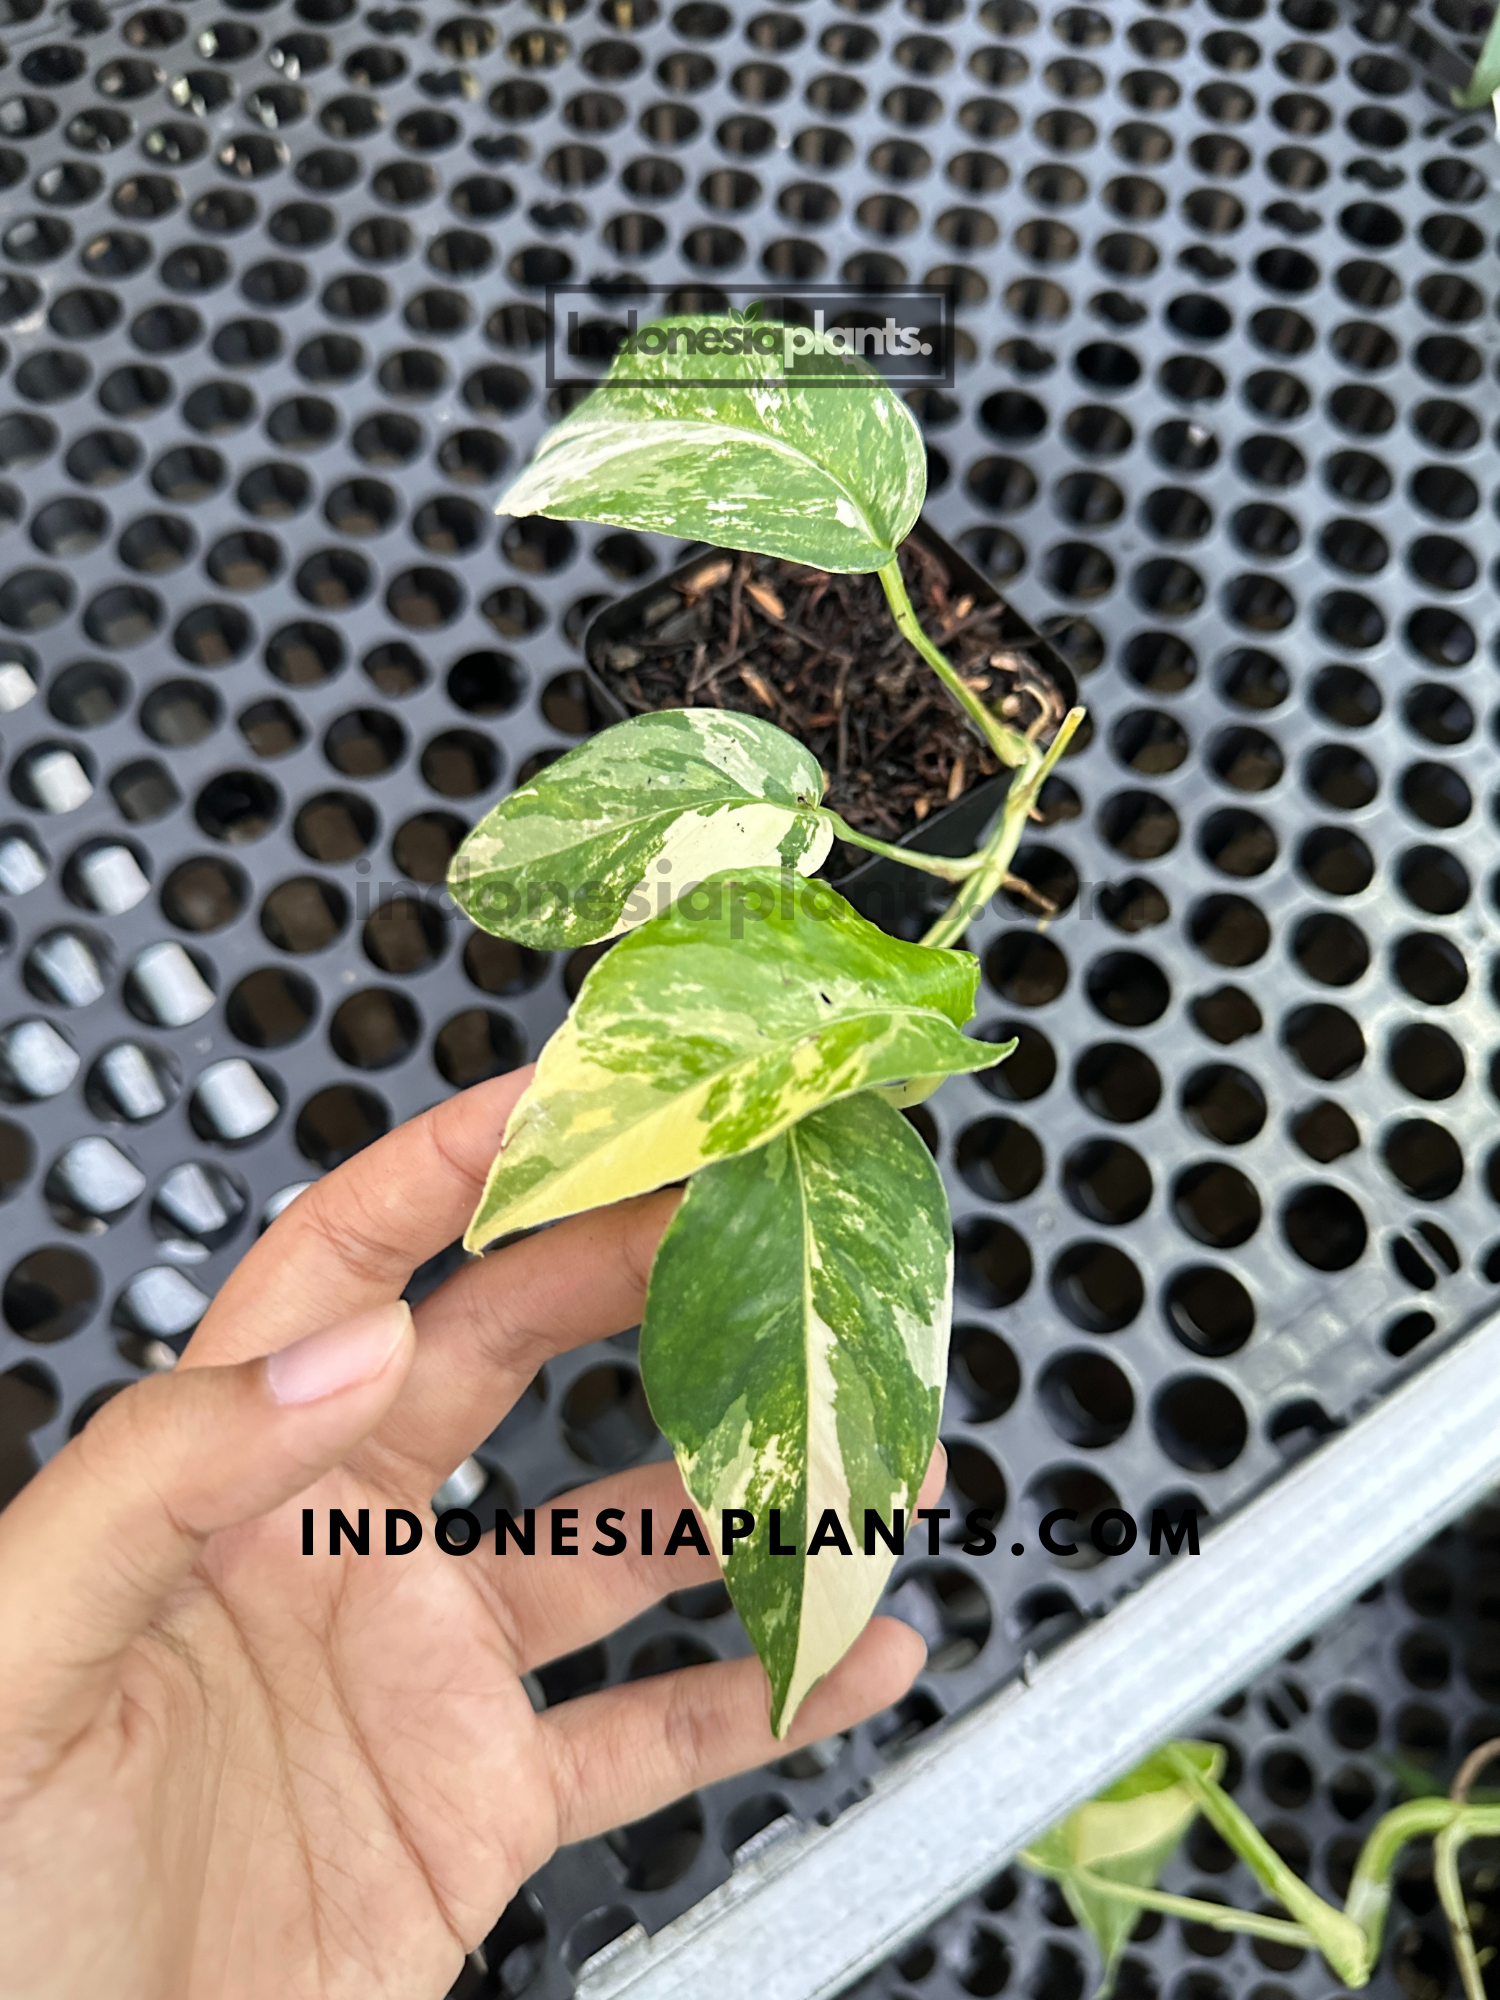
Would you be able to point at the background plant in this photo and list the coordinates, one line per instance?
(1484, 85)
(1107, 1857)
(752, 1034)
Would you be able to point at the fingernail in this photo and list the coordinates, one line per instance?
(341, 1357)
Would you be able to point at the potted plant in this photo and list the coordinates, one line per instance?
(751, 1033)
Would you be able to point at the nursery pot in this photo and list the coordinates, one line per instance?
(900, 899)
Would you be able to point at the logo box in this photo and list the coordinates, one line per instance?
(905, 334)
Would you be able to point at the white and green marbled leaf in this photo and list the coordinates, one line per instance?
(618, 828)
(829, 471)
(1126, 1834)
(756, 999)
(793, 1349)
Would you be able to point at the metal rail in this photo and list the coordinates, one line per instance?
(809, 1916)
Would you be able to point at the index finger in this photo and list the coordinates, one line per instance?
(353, 1239)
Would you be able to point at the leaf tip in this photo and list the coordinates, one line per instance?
(782, 1715)
(1004, 1049)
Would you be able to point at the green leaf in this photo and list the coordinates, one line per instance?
(829, 471)
(1484, 84)
(1127, 1834)
(616, 829)
(793, 1349)
(757, 998)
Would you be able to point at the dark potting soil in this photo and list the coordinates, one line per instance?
(820, 655)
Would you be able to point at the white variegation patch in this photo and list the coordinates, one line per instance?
(793, 1350)
(709, 842)
(748, 757)
(838, 1594)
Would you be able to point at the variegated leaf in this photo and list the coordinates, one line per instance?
(1127, 1834)
(756, 999)
(793, 1350)
(830, 471)
(614, 831)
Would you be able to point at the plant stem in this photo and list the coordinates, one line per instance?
(996, 855)
(1341, 1941)
(1218, 1916)
(983, 873)
(1008, 744)
(1463, 1778)
(950, 867)
(1451, 1894)
(1369, 1894)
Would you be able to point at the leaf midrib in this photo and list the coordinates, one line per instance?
(809, 1034)
(592, 830)
(807, 1318)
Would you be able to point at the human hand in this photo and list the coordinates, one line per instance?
(229, 1771)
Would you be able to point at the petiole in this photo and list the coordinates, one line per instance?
(950, 868)
(1008, 744)
(1218, 1916)
(999, 851)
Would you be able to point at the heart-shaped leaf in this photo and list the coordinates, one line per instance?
(829, 470)
(757, 998)
(615, 830)
(1127, 1834)
(793, 1350)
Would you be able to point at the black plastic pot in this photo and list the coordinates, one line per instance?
(900, 899)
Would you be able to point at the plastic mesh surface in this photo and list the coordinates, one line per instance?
(270, 281)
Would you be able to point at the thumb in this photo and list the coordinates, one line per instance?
(93, 1546)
